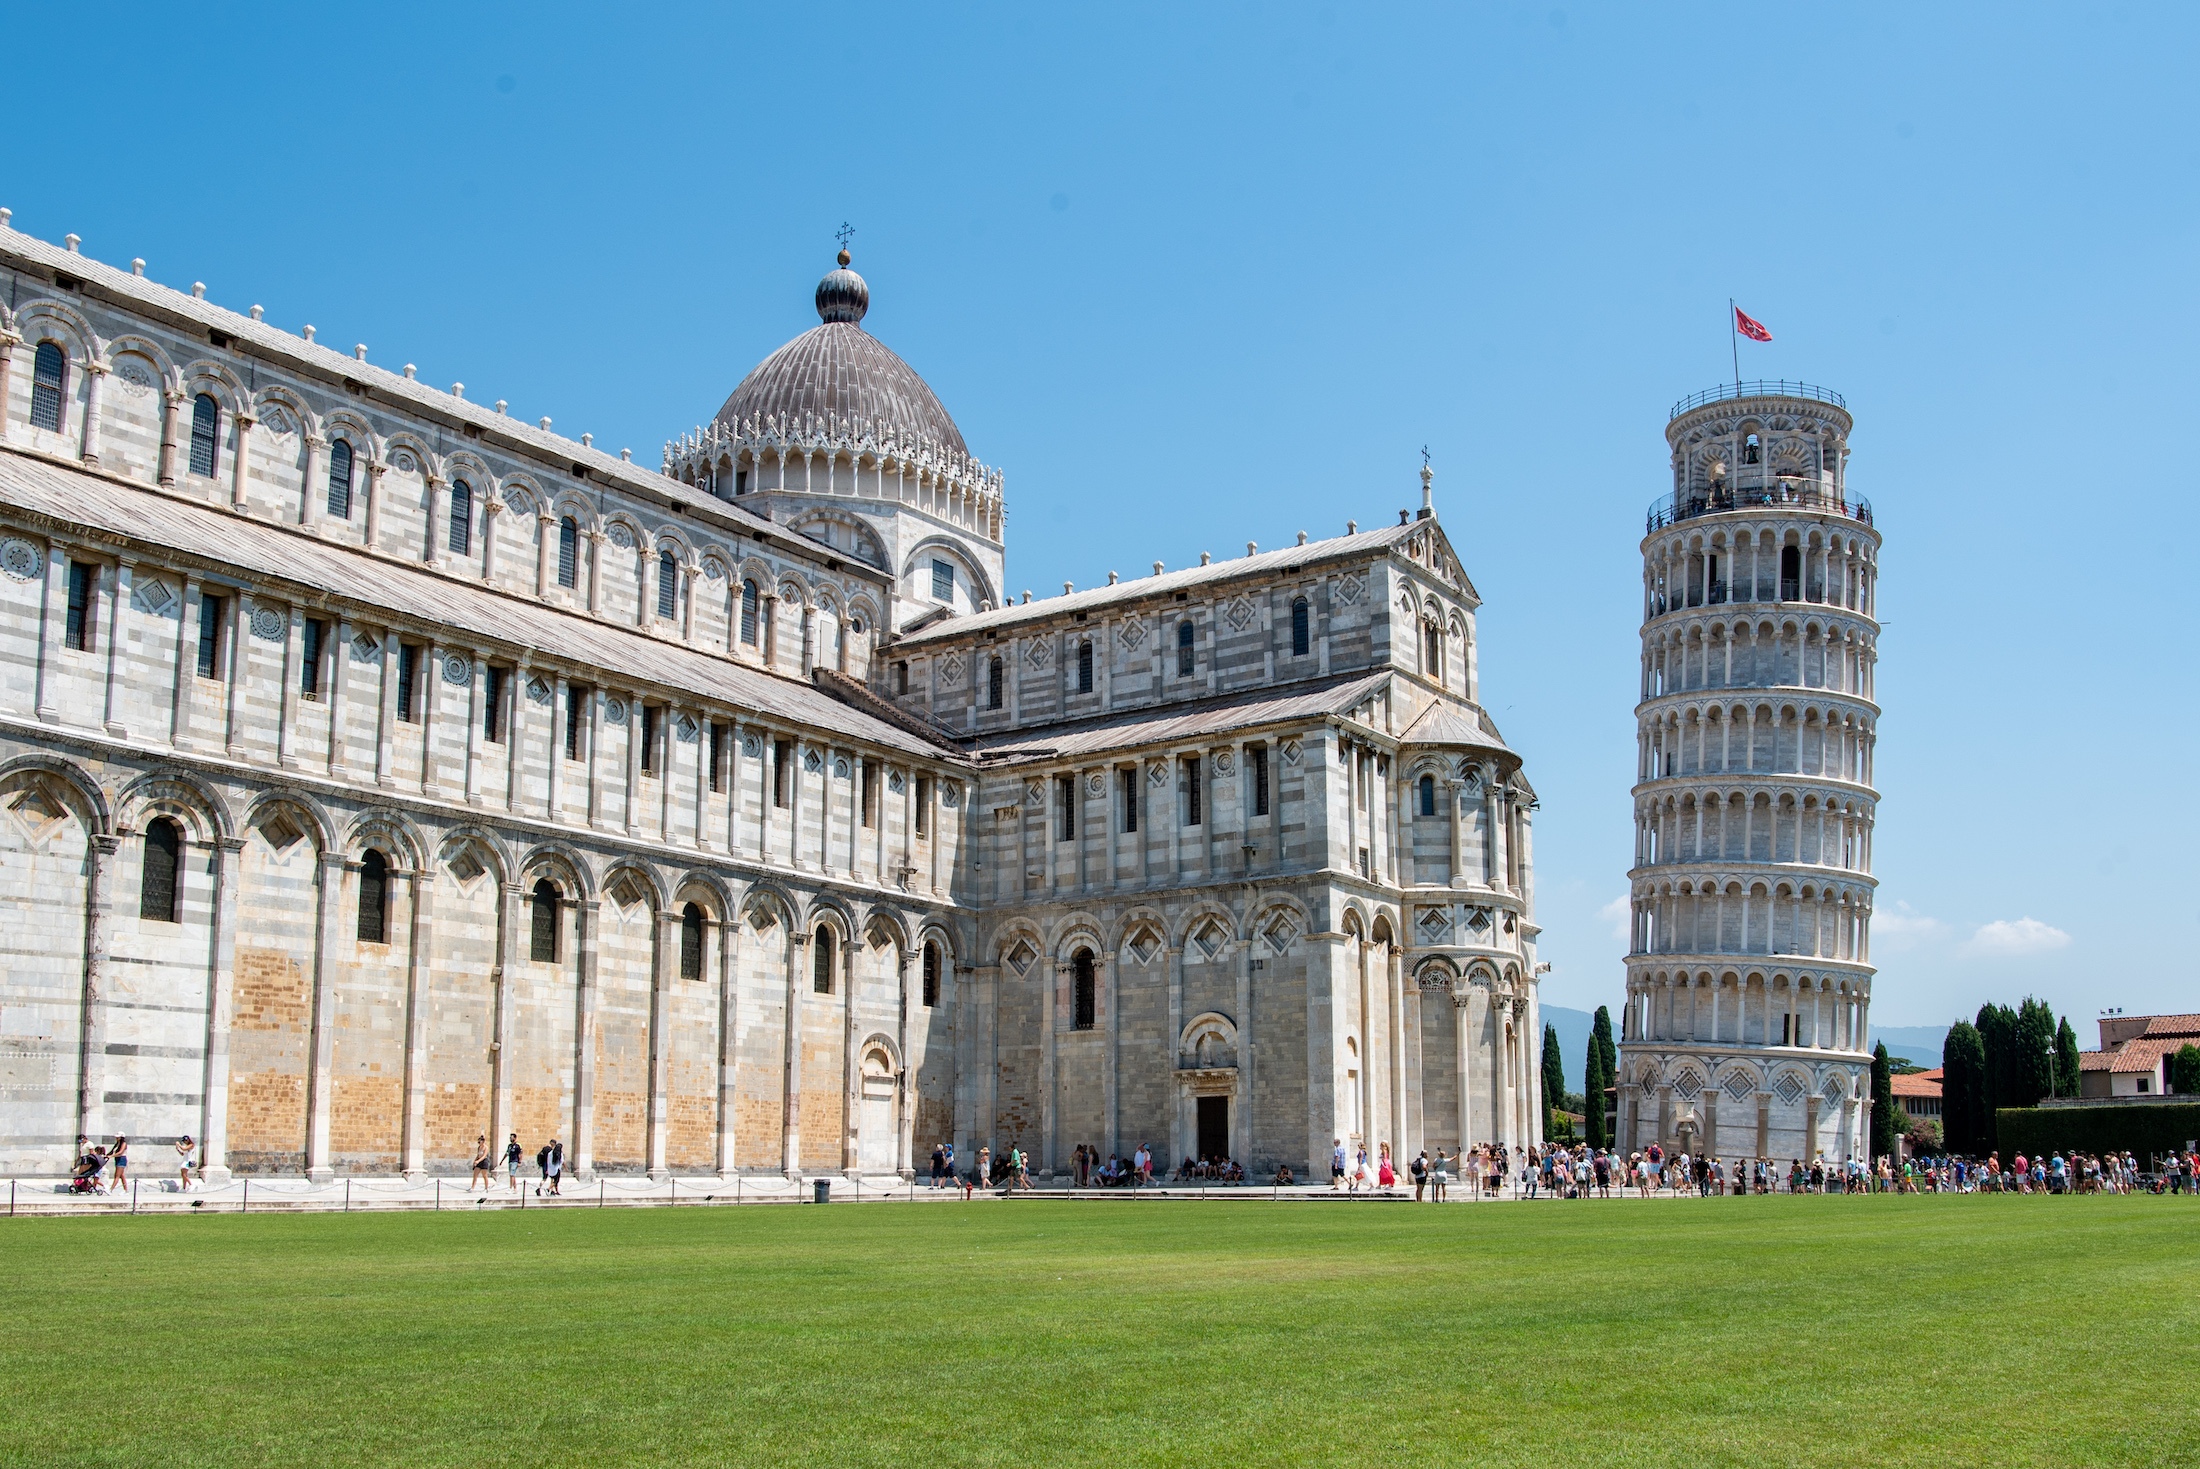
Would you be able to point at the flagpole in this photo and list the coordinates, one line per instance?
(1734, 343)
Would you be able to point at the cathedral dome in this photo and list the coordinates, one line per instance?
(839, 370)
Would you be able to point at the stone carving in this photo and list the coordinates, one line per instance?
(366, 648)
(1787, 1089)
(1133, 633)
(812, 762)
(135, 376)
(951, 670)
(1039, 652)
(1144, 945)
(276, 420)
(1240, 613)
(1434, 926)
(1738, 1085)
(683, 730)
(1688, 1085)
(1157, 774)
(1290, 752)
(1211, 938)
(19, 559)
(1021, 957)
(895, 783)
(1224, 765)
(840, 769)
(538, 690)
(153, 596)
(268, 624)
(619, 535)
(751, 746)
(456, 670)
(404, 463)
(951, 793)
(614, 711)
(1349, 589)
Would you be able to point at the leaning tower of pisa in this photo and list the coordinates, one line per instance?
(1749, 962)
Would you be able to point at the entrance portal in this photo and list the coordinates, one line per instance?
(1214, 1127)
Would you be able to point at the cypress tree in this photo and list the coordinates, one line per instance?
(2066, 1060)
(1883, 1115)
(1600, 1039)
(1964, 1119)
(2035, 1053)
(1554, 1078)
(1997, 1031)
(1593, 1084)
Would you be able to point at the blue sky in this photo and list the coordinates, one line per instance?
(1203, 275)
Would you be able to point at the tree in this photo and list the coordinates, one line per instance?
(1963, 1090)
(1884, 1115)
(2035, 1053)
(2066, 1060)
(1601, 1033)
(1997, 1032)
(1554, 1075)
(1593, 1083)
(2184, 1070)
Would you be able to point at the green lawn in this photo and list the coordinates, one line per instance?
(1758, 1332)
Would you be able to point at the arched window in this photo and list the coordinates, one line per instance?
(1752, 451)
(542, 936)
(206, 434)
(157, 889)
(691, 942)
(1184, 650)
(1432, 654)
(1301, 637)
(339, 479)
(993, 683)
(749, 601)
(931, 974)
(1084, 666)
(668, 583)
(569, 553)
(1791, 573)
(1085, 999)
(374, 898)
(1428, 795)
(49, 385)
(821, 961)
(462, 518)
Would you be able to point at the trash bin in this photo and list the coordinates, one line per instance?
(821, 1191)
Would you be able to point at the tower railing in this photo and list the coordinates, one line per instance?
(1785, 493)
(1762, 388)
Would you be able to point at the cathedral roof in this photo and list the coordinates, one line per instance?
(1093, 599)
(1446, 723)
(1178, 722)
(837, 370)
(119, 513)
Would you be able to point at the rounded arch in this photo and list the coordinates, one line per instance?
(95, 811)
(483, 844)
(706, 889)
(344, 423)
(302, 809)
(939, 931)
(164, 366)
(408, 453)
(884, 924)
(832, 911)
(634, 876)
(1196, 920)
(765, 905)
(390, 831)
(1206, 1035)
(170, 791)
(562, 864)
(49, 320)
(1078, 930)
(881, 1046)
(1436, 972)
(916, 567)
(215, 380)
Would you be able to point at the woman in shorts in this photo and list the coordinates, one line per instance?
(120, 1160)
(484, 1166)
(185, 1147)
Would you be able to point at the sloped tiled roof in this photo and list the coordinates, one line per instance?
(1446, 723)
(2184, 1025)
(124, 513)
(1918, 1084)
(2143, 1055)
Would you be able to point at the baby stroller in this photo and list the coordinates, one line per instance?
(85, 1180)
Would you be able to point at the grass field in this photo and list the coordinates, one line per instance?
(1755, 1332)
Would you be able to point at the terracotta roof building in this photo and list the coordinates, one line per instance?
(2135, 1053)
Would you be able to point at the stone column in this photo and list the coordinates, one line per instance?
(1460, 997)
(286, 754)
(730, 930)
(511, 911)
(1397, 1056)
(851, 1101)
(221, 1008)
(1049, 1103)
(373, 522)
(905, 1110)
(118, 610)
(95, 373)
(339, 696)
(309, 508)
(492, 509)
(1105, 976)
(419, 956)
(240, 477)
(546, 530)
(385, 739)
(91, 1095)
(596, 540)
(790, 1146)
(171, 402)
(328, 935)
(182, 696)
(52, 620)
(476, 696)
(438, 538)
(1179, 1122)
(584, 1047)
(1453, 790)
(663, 942)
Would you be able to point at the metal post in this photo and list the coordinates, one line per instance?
(599, 1190)
(675, 1188)
(133, 1195)
(244, 1205)
(347, 1196)
(736, 1186)
(439, 1194)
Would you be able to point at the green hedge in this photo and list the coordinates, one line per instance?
(2159, 1128)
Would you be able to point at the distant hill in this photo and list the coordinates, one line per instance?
(1921, 1043)
(1573, 1038)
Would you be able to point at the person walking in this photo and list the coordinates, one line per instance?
(557, 1166)
(185, 1147)
(1336, 1163)
(484, 1166)
(1386, 1177)
(512, 1157)
(119, 1160)
(980, 1172)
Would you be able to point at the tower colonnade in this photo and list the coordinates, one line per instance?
(1749, 967)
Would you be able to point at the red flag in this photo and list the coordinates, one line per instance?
(1750, 327)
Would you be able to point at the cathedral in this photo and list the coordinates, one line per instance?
(379, 771)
